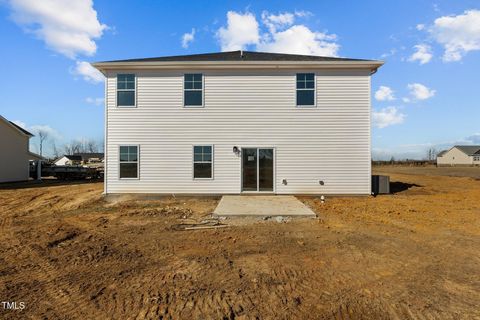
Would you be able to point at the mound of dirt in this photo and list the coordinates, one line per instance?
(167, 211)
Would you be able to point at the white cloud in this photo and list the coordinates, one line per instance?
(384, 94)
(95, 101)
(392, 52)
(187, 38)
(52, 133)
(303, 13)
(457, 34)
(406, 99)
(387, 117)
(280, 21)
(420, 92)
(475, 138)
(423, 54)
(299, 39)
(241, 30)
(87, 72)
(281, 34)
(67, 27)
(420, 26)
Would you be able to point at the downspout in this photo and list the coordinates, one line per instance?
(105, 143)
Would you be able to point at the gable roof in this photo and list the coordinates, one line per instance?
(34, 156)
(16, 127)
(70, 157)
(468, 150)
(240, 55)
(238, 59)
(441, 153)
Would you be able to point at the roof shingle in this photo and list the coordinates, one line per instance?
(469, 150)
(240, 55)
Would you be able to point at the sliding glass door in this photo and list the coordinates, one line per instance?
(257, 169)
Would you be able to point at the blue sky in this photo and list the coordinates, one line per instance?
(426, 95)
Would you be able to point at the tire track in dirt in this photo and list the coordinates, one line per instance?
(63, 298)
(382, 264)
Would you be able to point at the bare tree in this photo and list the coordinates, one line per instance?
(92, 146)
(74, 146)
(431, 154)
(56, 152)
(82, 146)
(43, 135)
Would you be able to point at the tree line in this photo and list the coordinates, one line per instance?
(85, 145)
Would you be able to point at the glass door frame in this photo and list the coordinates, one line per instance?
(258, 164)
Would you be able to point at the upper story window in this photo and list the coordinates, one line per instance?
(128, 162)
(126, 90)
(202, 162)
(305, 89)
(193, 90)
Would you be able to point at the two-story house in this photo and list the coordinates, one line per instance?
(238, 122)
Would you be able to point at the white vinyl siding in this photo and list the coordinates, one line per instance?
(245, 108)
(14, 164)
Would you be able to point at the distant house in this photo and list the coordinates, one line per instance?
(68, 160)
(90, 157)
(15, 155)
(79, 159)
(459, 156)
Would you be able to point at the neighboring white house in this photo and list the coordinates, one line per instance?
(15, 157)
(68, 160)
(79, 159)
(238, 122)
(90, 157)
(459, 156)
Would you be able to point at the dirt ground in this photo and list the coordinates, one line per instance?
(67, 253)
(472, 172)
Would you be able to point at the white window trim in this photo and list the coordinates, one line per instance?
(203, 91)
(314, 105)
(138, 161)
(193, 160)
(134, 90)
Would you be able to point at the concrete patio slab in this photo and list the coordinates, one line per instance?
(262, 206)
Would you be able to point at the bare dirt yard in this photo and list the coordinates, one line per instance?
(68, 253)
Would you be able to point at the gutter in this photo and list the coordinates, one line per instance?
(159, 65)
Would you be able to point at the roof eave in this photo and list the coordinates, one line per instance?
(17, 128)
(149, 65)
(35, 156)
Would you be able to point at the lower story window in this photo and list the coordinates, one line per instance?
(202, 162)
(128, 162)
